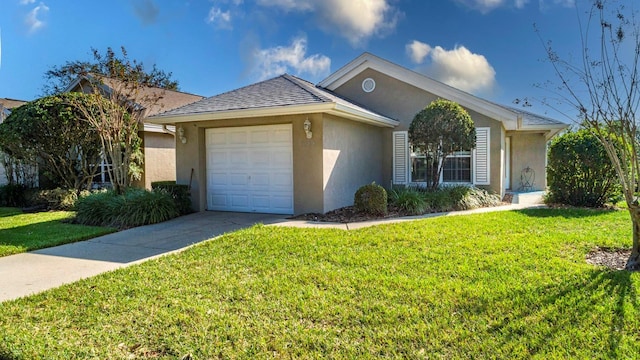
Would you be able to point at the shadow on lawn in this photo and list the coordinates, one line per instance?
(588, 301)
(46, 234)
(567, 213)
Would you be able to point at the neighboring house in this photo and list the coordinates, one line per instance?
(5, 109)
(158, 141)
(6, 105)
(287, 146)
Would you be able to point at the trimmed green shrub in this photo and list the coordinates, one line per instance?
(579, 172)
(473, 198)
(136, 207)
(56, 199)
(371, 199)
(13, 195)
(178, 192)
(408, 199)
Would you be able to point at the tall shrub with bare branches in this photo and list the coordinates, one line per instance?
(130, 90)
(602, 84)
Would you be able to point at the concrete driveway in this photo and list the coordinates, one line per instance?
(36, 271)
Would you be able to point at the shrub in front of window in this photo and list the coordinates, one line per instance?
(443, 134)
(371, 199)
(408, 200)
(579, 172)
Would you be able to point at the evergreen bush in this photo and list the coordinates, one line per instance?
(179, 193)
(579, 172)
(371, 199)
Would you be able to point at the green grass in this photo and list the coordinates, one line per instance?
(494, 285)
(24, 232)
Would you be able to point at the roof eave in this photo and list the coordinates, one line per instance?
(363, 116)
(329, 107)
(240, 113)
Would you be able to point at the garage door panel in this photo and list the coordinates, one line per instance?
(260, 159)
(237, 137)
(216, 138)
(250, 169)
(281, 137)
(259, 136)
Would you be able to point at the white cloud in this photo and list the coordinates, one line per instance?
(33, 17)
(563, 3)
(221, 19)
(485, 6)
(282, 59)
(457, 67)
(27, 2)
(417, 51)
(356, 20)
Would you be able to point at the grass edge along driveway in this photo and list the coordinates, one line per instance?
(495, 285)
(21, 232)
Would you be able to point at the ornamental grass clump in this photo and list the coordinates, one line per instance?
(371, 199)
(135, 207)
(408, 200)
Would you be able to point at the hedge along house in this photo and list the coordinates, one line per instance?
(158, 141)
(287, 146)
(6, 105)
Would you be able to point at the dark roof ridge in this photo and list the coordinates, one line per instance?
(306, 86)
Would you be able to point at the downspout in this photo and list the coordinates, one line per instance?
(519, 122)
(167, 131)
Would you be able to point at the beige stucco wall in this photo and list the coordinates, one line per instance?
(401, 101)
(307, 159)
(528, 149)
(351, 158)
(159, 158)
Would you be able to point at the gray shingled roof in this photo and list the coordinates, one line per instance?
(532, 119)
(284, 90)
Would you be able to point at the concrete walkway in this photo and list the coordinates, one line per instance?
(36, 271)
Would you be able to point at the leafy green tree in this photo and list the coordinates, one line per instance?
(579, 171)
(601, 84)
(53, 131)
(131, 91)
(439, 130)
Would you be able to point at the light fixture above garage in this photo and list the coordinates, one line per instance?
(181, 136)
(307, 128)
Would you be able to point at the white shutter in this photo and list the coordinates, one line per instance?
(400, 157)
(482, 157)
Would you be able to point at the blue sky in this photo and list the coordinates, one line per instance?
(485, 47)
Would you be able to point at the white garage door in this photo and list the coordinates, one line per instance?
(250, 169)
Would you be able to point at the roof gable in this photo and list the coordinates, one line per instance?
(166, 99)
(512, 119)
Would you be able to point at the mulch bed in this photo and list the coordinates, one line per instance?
(611, 258)
(348, 215)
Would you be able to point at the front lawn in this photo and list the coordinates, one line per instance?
(494, 285)
(24, 232)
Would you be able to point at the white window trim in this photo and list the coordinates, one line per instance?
(475, 163)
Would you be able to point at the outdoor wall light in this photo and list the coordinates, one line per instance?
(307, 128)
(181, 135)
